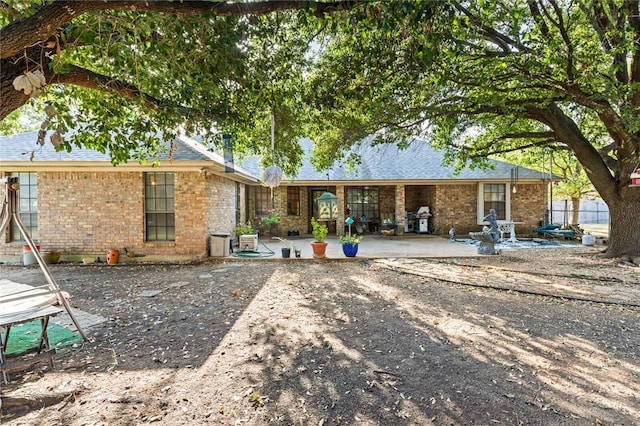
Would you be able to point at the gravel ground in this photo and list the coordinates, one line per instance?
(546, 337)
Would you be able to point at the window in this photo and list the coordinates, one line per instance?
(27, 206)
(363, 201)
(293, 201)
(493, 196)
(262, 195)
(159, 194)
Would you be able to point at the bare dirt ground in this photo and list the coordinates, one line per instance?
(535, 336)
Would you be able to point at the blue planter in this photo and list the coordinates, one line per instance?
(350, 250)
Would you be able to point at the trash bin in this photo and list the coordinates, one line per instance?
(219, 245)
(28, 258)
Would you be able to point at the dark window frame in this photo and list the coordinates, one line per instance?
(159, 206)
(262, 200)
(494, 196)
(362, 200)
(27, 206)
(293, 201)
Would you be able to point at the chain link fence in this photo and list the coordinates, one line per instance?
(591, 212)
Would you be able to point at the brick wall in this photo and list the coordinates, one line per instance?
(457, 205)
(418, 196)
(92, 212)
(528, 205)
(300, 222)
(190, 211)
(290, 222)
(220, 201)
(387, 197)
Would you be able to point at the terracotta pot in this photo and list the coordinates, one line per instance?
(319, 249)
(112, 256)
(50, 257)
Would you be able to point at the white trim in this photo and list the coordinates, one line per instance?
(480, 206)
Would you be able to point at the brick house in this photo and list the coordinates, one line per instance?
(81, 204)
(390, 185)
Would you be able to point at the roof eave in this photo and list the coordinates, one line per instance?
(379, 182)
(105, 166)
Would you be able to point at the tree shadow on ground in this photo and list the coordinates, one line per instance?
(339, 343)
(400, 350)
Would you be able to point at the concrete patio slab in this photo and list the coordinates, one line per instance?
(371, 247)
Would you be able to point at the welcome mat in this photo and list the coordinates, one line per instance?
(27, 336)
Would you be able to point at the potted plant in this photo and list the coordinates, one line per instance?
(244, 229)
(287, 246)
(319, 232)
(271, 224)
(52, 256)
(350, 244)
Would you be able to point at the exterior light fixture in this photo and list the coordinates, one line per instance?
(327, 205)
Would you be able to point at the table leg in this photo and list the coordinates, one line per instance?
(512, 232)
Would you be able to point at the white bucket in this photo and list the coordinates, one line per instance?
(28, 258)
(588, 240)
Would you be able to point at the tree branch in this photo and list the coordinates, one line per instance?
(505, 42)
(26, 32)
(543, 142)
(530, 135)
(88, 79)
(569, 134)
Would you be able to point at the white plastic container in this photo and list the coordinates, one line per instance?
(588, 240)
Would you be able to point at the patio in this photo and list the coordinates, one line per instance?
(407, 246)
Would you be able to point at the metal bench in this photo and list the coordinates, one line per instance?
(43, 350)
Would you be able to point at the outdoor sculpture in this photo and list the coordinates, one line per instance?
(488, 237)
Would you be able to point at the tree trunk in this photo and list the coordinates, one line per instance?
(575, 211)
(624, 231)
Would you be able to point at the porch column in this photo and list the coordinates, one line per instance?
(400, 210)
(341, 206)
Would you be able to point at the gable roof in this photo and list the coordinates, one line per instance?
(21, 152)
(383, 163)
(419, 163)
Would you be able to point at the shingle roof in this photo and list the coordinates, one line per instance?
(379, 163)
(389, 163)
(20, 147)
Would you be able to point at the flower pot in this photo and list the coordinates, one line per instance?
(112, 256)
(51, 257)
(298, 252)
(350, 250)
(319, 249)
(286, 252)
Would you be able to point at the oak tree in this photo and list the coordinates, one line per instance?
(484, 77)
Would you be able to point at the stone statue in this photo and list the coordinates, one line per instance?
(488, 237)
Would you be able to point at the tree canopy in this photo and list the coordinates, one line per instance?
(123, 74)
